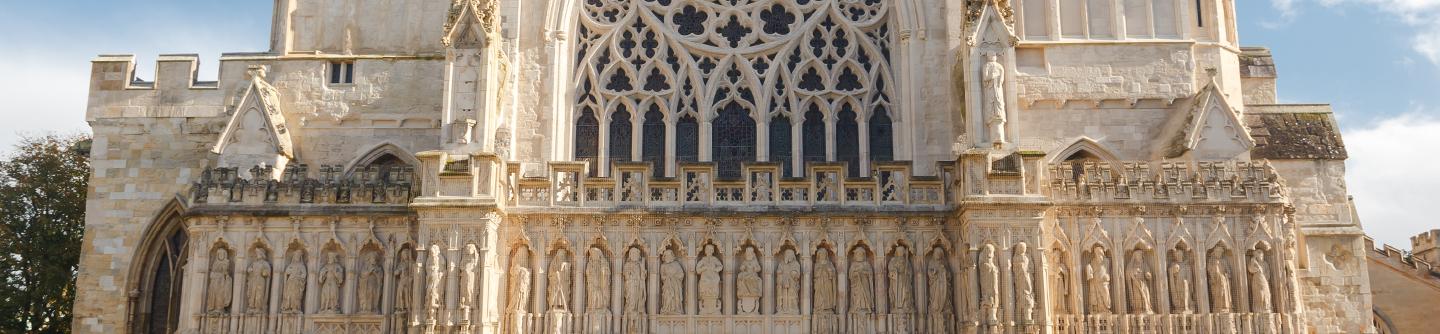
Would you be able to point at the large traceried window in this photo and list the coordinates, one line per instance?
(722, 73)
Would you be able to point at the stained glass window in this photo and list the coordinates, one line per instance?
(733, 139)
(882, 136)
(780, 143)
(813, 136)
(687, 140)
(620, 134)
(587, 138)
(652, 146)
(847, 139)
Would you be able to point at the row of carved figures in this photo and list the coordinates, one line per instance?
(293, 283)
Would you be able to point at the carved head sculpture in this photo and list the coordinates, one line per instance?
(1021, 248)
(822, 256)
(470, 250)
(334, 257)
(1137, 258)
(749, 254)
(857, 254)
(295, 256)
(937, 257)
(635, 255)
(987, 253)
(668, 256)
(990, 57)
(1097, 255)
(259, 254)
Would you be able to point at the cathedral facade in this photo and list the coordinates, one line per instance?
(721, 166)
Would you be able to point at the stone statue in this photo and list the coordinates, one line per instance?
(1024, 283)
(221, 283)
(1097, 278)
(989, 284)
(825, 294)
(597, 282)
(828, 189)
(293, 293)
(1260, 301)
(468, 276)
(1139, 282)
(941, 310)
(672, 284)
(902, 278)
(993, 76)
(1180, 300)
(332, 278)
(519, 286)
(372, 276)
(404, 281)
(748, 284)
(559, 295)
(762, 188)
(1219, 281)
(1062, 284)
(437, 280)
(862, 283)
(709, 269)
(633, 276)
(257, 284)
(787, 284)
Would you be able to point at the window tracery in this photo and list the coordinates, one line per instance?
(735, 66)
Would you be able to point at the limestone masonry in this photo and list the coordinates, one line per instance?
(721, 166)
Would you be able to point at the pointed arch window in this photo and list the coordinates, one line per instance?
(882, 136)
(734, 140)
(687, 139)
(161, 279)
(813, 136)
(620, 134)
(847, 140)
(652, 146)
(780, 143)
(587, 138)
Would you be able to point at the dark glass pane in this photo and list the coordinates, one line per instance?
(882, 136)
(620, 134)
(334, 72)
(587, 138)
(687, 140)
(733, 141)
(780, 143)
(812, 143)
(847, 139)
(349, 72)
(652, 148)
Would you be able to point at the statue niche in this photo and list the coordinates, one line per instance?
(257, 283)
(292, 293)
(748, 283)
(633, 276)
(1097, 282)
(332, 278)
(372, 276)
(220, 282)
(672, 284)
(1138, 278)
(708, 269)
(787, 284)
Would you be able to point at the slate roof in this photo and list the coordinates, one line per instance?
(1294, 132)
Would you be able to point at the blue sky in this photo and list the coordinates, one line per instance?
(1376, 61)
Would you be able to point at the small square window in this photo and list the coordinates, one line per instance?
(342, 72)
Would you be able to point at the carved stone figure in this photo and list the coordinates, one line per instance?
(1260, 301)
(748, 284)
(762, 188)
(1180, 300)
(1219, 281)
(597, 282)
(220, 287)
(787, 284)
(862, 283)
(332, 278)
(257, 284)
(1097, 278)
(1024, 283)
(468, 276)
(293, 294)
(372, 275)
(1062, 284)
(404, 281)
(709, 269)
(902, 279)
(993, 75)
(559, 295)
(825, 294)
(519, 286)
(1138, 280)
(941, 310)
(989, 284)
(634, 280)
(436, 290)
(672, 284)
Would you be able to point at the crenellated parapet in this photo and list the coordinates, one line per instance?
(1164, 182)
(116, 91)
(298, 185)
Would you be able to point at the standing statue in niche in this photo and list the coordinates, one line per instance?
(436, 290)
(862, 283)
(372, 275)
(993, 76)
(469, 277)
(1219, 281)
(1062, 283)
(941, 310)
(709, 269)
(1024, 283)
(672, 285)
(1259, 283)
(559, 295)
(634, 274)
(1097, 277)
(748, 284)
(1287, 277)
(902, 278)
(597, 282)
(1139, 281)
(989, 285)
(1180, 300)
(404, 281)
(519, 286)
(220, 285)
(332, 277)
(294, 289)
(257, 284)
(787, 284)
(826, 293)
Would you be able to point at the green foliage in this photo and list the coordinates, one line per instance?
(42, 219)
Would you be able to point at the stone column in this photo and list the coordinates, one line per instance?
(691, 307)
(767, 279)
(727, 279)
(807, 273)
(490, 301)
(652, 283)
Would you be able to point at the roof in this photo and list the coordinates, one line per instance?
(1295, 132)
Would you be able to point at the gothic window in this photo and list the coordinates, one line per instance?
(847, 140)
(587, 138)
(712, 60)
(652, 146)
(813, 131)
(882, 136)
(780, 143)
(161, 277)
(620, 134)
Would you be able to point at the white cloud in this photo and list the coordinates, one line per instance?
(1393, 175)
(1421, 15)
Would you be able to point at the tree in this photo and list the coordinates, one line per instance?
(42, 219)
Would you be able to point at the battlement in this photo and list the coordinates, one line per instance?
(172, 71)
(1400, 259)
(1424, 247)
(175, 91)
